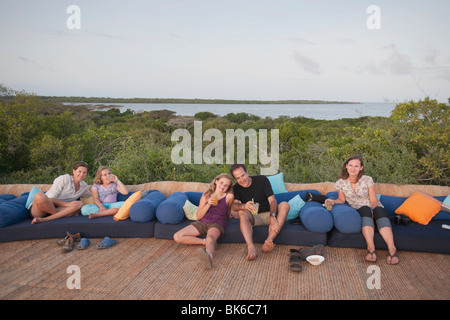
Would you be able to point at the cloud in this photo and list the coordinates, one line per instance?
(391, 62)
(396, 63)
(301, 41)
(35, 63)
(306, 63)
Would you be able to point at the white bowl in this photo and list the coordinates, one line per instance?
(315, 260)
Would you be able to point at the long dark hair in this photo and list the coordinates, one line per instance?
(344, 172)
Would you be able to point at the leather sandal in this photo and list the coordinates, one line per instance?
(68, 245)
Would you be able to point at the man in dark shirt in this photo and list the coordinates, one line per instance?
(256, 189)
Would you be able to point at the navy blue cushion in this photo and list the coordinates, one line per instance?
(416, 237)
(391, 203)
(7, 197)
(194, 197)
(13, 211)
(89, 228)
(170, 211)
(289, 195)
(144, 210)
(290, 234)
(346, 219)
(316, 218)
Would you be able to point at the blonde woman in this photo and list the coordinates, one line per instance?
(104, 192)
(213, 211)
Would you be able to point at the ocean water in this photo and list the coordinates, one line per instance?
(314, 111)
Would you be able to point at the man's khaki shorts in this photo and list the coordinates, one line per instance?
(261, 219)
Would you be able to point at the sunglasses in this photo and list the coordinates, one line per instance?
(82, 163)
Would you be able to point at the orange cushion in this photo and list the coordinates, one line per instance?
(124, 211)
(420, 208)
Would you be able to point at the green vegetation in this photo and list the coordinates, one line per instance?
(41, 139)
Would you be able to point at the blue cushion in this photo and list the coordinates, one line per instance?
(289, 195)
(124, 197)
(31, 195)
(194, 197)
(277, 183)
(13, 211)
(296, 204)
(7, 197)
(346, 219)
(170, 211)
(316, 218)
(144, 210)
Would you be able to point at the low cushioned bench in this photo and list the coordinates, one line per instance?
(340, 228)
(414, 237)
(16, 221)
(316, 221)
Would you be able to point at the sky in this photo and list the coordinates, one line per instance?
(344, 50)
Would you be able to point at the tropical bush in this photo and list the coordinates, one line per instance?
(41, 139)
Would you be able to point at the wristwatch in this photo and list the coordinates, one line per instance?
(273, 215)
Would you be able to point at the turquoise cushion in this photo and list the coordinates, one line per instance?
(446, 204)
(296, 204)
(31, 195)
(277, 183)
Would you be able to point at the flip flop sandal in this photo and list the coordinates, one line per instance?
(372, 255)
(294, 261)
(84, 243)
(392, 256)
(205, 258)
(106, 243)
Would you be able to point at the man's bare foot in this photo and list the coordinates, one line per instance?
(268, 246)
(94, 215)
(251, 254)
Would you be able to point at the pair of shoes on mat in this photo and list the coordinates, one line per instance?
(300, 255)
(106, 243)
(68, 242)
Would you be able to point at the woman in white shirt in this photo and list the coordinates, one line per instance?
(358, 190)
(61, 199)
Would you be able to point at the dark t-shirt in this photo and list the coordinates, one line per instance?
(259, 191)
